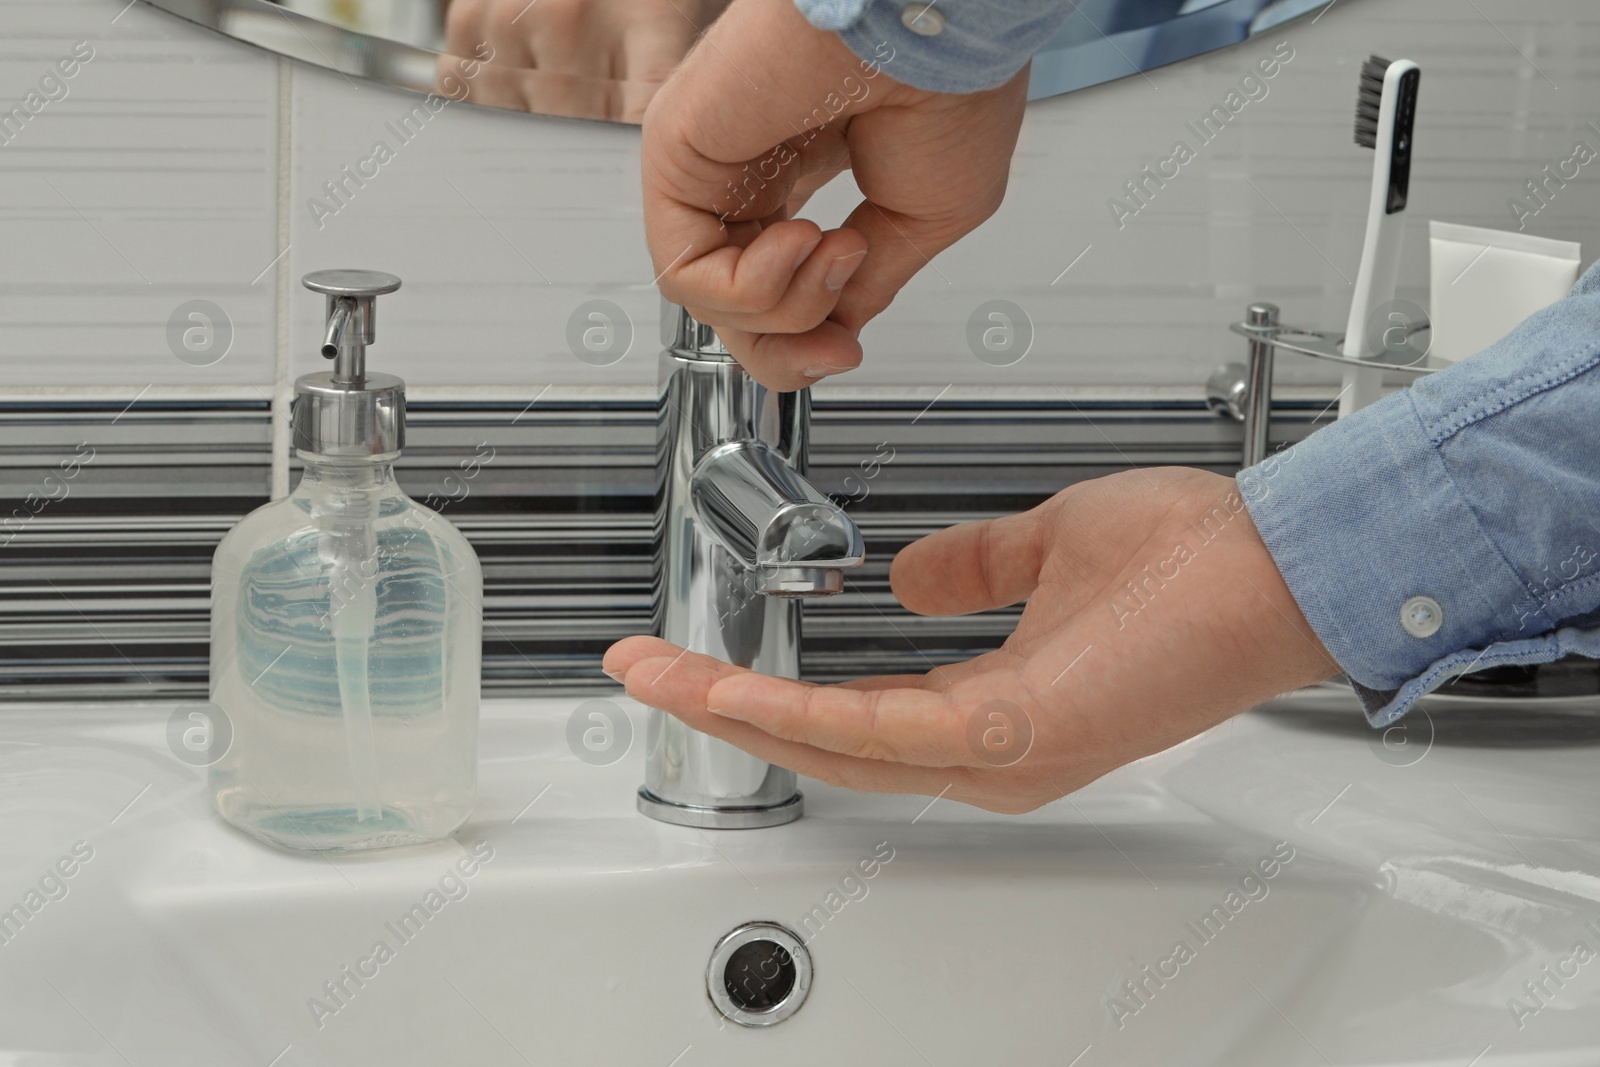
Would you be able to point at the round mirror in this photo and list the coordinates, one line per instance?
(604, 59)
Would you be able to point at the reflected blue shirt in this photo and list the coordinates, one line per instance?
(980, 43)
(1477, 488)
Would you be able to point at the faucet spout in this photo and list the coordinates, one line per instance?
(774, 521)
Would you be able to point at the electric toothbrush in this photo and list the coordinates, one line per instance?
(1385, 115)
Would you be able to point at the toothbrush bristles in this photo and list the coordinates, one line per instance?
(1369, 101)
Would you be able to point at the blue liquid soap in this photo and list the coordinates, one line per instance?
(346, 647)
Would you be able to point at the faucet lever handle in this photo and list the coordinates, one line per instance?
(687, 336)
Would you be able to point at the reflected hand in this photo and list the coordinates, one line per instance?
(581, 58)
(1154, 612)
(762, 113)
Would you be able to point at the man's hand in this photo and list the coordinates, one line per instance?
(762, 113)
(1154, 612)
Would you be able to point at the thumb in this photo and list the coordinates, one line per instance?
(972, 567)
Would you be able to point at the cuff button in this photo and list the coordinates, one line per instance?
(1421, 616)
(922, 20)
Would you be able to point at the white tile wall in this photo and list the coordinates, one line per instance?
(151, 183)
(165, 166)
(500, 225)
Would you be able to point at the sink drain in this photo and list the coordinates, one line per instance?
(759, 974)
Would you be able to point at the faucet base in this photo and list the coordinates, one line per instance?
(748, 818)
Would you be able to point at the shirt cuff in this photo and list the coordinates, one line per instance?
(964, 46)
(1357, 552)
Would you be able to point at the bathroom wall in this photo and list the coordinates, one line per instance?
(157, 212)
(181, 167)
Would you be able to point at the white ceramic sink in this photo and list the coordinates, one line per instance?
(1420, 896)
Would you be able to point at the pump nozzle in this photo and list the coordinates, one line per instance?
(349, 412)
(339, 321)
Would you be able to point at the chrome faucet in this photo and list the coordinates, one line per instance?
(742, 537)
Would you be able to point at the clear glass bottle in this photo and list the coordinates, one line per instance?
(346, 627)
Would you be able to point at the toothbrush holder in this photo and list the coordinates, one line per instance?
(1243, 391)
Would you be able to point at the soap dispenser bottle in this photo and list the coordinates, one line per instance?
(346, 625)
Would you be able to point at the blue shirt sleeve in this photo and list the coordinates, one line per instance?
(1454, 525)
(947, 46)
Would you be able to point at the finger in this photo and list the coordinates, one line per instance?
(694, 204)
(788, 361)
(813, 289)
(971, 567)
(680, 689)
(568, 78)
(570, 95)
(911, 725)
(849, 772)
(704, 271)
(675, 677)
(884, 681)
(820, 276)
(466, 27)
(621, 658)
(907, 725)
(673, 682)
(471, 30)
(495, 23)
(630, 650)
(496, 86)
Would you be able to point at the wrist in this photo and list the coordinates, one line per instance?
(1285, 646)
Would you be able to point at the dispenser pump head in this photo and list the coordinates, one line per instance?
(348, 412)
(352, 316)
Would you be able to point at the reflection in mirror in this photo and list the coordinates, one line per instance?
(596, 58)
(414, 22)
(1103, 40)
(604, 59)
